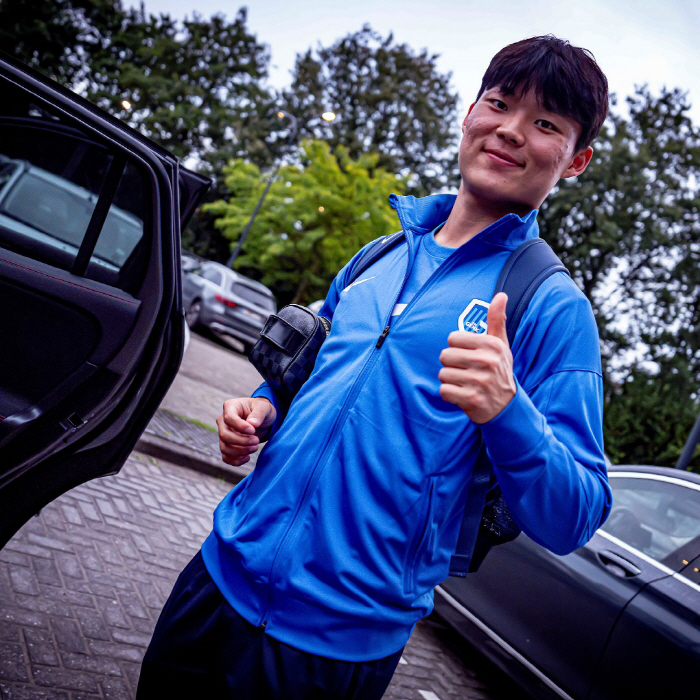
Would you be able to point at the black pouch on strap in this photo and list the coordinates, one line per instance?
(286, 351)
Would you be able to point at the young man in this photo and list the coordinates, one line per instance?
(321, 562)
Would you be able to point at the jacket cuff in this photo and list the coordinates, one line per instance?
(516, 432)
(264, 391)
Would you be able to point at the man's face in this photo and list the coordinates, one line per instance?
(513, 151)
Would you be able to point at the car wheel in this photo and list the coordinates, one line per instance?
(192, 315)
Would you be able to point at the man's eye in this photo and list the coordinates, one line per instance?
(499, 104)
(545, 124)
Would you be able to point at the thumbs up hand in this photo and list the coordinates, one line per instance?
(477, 373)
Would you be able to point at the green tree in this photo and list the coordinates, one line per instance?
(58, 37)
(389, 100)
(196, 87)
(317, 214)
(629, 231)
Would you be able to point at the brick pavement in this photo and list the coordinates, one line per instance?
(82, 584)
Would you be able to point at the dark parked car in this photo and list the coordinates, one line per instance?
(618, 618)
(93, 322)
(226, 302)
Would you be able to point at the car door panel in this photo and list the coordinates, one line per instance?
(557, 612)
(90, 283)
(659, 629)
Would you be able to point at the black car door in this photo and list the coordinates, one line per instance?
(92, 324)
(654, 649)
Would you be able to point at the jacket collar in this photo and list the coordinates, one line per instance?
(420, 216)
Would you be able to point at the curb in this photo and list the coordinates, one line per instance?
(182, 456)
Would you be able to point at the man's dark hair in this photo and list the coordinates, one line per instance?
(565, 78)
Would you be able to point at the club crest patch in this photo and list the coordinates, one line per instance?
(473, 318)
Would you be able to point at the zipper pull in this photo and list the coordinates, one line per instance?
(383, 336)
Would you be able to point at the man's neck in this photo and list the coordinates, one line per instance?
(467, 218)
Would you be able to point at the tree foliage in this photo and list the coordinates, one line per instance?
(196, 87)
(317, 214)
(58, 37)
(629, 231)
(389, 100)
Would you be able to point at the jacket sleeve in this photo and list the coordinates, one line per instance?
(546, 445)
(327, 310)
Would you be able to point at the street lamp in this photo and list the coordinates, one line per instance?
(293, 131)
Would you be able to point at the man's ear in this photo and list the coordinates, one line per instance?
(579, 163)
(469, 111)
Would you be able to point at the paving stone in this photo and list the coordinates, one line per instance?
(9, 556)
(41, 647)
(41, 604)
(68, 636)
(64, 679)
(72, 514)
(94, 664)
(69, 565)
(23, 580)
(50, 543)
(117, 651)
(13, 665)
(92, 624)
(115, 689)
(47, 572)
(16, 692)
(89, 511)
(9, 633)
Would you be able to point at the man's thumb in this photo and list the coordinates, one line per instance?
(496, 318)
(259, 414)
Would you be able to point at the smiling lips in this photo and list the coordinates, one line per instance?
(502, 158)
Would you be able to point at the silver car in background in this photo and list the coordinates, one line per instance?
(224, 301)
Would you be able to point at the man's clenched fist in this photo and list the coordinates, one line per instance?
(477, 374)
(242, 425)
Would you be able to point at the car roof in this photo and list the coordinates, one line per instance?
(238, 277)
(621, 469)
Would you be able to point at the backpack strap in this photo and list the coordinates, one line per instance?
(373, 253)
(528, 266)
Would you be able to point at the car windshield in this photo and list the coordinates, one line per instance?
(253, 295)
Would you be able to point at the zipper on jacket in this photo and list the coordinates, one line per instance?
(313, 479)
(382, 337)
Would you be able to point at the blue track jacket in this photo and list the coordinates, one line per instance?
(335, 541)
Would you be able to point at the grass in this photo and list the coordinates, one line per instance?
(194, 421)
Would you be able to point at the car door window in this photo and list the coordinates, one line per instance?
(213, 275)
(53, 175)
(656, 515)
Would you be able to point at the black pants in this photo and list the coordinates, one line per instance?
(202, 649)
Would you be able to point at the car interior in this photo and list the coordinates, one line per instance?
(75, 243)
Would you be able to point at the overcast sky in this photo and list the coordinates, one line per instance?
(634, 41)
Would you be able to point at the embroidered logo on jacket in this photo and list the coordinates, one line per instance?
(473, 318)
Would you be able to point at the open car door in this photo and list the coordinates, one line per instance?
(92, 326)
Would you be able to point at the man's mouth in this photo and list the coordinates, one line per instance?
(502, 157)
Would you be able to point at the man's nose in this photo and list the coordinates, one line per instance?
(512, 130)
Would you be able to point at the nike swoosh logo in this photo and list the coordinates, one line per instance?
(367, 279)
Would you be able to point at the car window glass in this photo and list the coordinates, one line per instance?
(52, 172)
(655, 516)
(212, 275)
(253, 295)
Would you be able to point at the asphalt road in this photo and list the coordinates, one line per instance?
(82, 583)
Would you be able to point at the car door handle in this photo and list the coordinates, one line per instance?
(617, 565)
